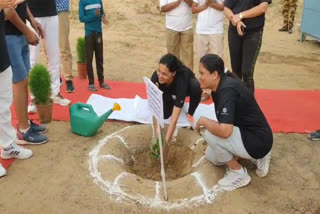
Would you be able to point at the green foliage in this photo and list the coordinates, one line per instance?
(40, 84)
(81, 50)
(155, 151)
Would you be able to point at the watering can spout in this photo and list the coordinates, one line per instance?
(105, 116)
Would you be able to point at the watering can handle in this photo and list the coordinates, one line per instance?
(87, 106)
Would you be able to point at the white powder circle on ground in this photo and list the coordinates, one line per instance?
(120, 165)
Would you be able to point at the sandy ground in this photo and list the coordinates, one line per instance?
(56, 179)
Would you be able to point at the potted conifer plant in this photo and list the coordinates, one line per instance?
(40, 87)
(81, 53)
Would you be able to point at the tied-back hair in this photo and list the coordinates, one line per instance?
(173, 63)
(213, 62)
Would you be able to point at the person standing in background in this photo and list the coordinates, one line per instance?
(288, 13)
(64, 43)
(8, 136)
(179, 29)
(45, 12)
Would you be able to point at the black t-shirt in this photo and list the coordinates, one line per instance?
(4, 57)
(179, 86)
(43, 8)
(235, 104)
(22, 12)
(238, 6)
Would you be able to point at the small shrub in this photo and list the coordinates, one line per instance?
(81, 50)
(40, 84)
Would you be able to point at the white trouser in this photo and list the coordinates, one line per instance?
(221, 150)
(50, 26)
(7, 132)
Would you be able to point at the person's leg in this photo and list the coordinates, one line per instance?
(224, 151)
(173, 42)
(186, 48)
(216, 44)
(251, 49)
(53, 52)
(89, 56)
(99, 61)
(202, 43)
(8, 137)
(291, 14)
(235, 50)
(285, 14)
(65, 50)
(194, 92)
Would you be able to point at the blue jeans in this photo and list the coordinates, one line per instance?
(18, 49)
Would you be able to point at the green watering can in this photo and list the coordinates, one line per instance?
(84, 120)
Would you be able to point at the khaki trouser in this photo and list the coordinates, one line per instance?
(288, 12)
(180, 44)
(209, 44)
(64, 44)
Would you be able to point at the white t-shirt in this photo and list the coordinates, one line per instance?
(209, 21)
(180, 18)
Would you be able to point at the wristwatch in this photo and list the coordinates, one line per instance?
(240, 16)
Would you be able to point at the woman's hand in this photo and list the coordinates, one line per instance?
(200, 124)
(240, 28)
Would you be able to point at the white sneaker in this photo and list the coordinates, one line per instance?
(32, 108)
(233, 180)
(263, 165)
(3, 171)
(61, 100)
(15, 151)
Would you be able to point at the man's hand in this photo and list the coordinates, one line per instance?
(235, 19)
(200, 124)
(97, 12)
(240, 28)
(32, 38)
(8, 3)
(38, 28)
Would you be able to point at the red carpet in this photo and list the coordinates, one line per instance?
(286, 110)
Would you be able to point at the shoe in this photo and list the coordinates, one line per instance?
(38, 128)
(32, 137)
(3, 171)
(105, 86)
(92, 88)
(70, 86)
(283, 29)
(61, 100)
(15, 151)
(233, 180)
(32, 108)
(205, 95)
(314, 135)
(263, 165)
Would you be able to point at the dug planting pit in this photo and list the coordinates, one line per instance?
(122, 166)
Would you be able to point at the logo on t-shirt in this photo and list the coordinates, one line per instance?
(224, 111)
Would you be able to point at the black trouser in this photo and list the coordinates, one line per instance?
(194, 92)
(244, 51)
(94, 44)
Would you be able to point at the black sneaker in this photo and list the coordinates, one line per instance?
(314, 135)
(70, 86)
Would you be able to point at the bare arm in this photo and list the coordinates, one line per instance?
(189, 2)
(36, 25)
(197, 9)
(255, 11)
(218, 129)
(173, 123)
(251, 13)
(171, 6)
(216, 5)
